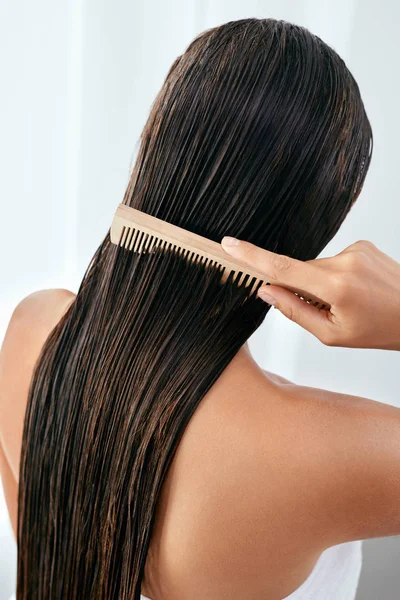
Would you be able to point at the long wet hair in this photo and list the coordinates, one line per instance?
(258, 132)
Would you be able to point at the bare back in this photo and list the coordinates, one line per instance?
(261, 482)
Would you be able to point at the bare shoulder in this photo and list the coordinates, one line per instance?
(30, 324)
(328, 468)
(42, 306)
(350, 450)
(271, 476)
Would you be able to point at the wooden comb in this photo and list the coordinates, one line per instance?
(140, 232)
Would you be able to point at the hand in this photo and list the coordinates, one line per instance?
(361, 283)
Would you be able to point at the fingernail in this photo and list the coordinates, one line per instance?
(230, 241)
(266, 297)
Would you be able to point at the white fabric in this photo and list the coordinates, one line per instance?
(335, 575)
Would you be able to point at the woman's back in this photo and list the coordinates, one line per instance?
(226, 528)
(259, 132)
(257, 489)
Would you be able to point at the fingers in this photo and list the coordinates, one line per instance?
(280, 269)
(317, 322)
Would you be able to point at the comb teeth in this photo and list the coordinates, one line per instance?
(140, 232)
(137, 240)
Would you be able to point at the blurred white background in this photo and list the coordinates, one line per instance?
(78, 78)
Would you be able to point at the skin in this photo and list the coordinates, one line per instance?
(267, 475)
(359, 283)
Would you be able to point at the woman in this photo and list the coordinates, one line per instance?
(143, 449)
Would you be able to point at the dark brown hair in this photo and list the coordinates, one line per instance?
(259, 132)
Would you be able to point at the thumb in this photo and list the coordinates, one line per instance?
(314, 320)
